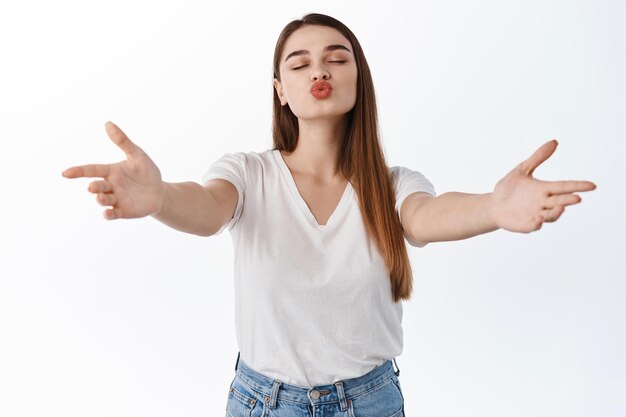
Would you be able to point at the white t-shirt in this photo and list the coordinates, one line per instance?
(313, 304)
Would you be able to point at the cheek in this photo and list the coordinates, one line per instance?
(349, 77)
(290, 85)
(355, 76)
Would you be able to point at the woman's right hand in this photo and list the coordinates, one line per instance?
(132, 187)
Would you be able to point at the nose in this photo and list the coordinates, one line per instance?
(319, 74)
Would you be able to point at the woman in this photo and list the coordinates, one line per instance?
(318, 224)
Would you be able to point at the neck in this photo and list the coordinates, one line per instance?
(317, 150)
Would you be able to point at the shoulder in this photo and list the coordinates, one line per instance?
(248, 166)
(245, 159)
(407, 180)
(245, 156)
(400, 172)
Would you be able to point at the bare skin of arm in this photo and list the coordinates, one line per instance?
(133, 188)
(519, 203)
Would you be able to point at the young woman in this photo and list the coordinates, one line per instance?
(318, 224)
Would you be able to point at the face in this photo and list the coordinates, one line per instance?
(317, 58)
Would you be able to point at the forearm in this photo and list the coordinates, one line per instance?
(453, 216)
(187, 207)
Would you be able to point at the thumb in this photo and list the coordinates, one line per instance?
(539, 156)
(115, 133)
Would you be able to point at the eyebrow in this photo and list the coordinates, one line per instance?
(307, 52)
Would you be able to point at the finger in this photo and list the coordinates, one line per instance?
(537, 222)
(100, 187)
(534, 224)
(111, 214)
(562, 187)
(539, 156)
(553, 214)
(106, 199)
(115, 133)
(91, 170)
(562, 200)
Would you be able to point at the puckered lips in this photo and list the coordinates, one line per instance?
(321, 89)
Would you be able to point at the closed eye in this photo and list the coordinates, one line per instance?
(334, 62)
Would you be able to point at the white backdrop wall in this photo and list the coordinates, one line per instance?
(132, 318)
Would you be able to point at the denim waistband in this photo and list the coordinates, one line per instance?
(339, 391)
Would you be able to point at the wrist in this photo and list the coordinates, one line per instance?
(489, 212)
(163, 199)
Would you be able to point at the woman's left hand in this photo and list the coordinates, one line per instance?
(521, 203)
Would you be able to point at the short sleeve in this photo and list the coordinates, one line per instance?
(407, 182)
(232, 168)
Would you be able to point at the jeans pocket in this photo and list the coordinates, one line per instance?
(242, 402)
(385, 400)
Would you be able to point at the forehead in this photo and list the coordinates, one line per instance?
(313, 38)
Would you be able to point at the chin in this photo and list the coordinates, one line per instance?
(323, 112)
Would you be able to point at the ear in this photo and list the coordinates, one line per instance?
(279, 90)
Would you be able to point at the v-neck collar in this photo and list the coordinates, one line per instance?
(291, 183)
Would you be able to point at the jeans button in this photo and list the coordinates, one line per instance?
(315, 394)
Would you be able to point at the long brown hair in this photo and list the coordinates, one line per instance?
(360, 157)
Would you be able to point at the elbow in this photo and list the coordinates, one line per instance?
(415, 239)
(420, 243)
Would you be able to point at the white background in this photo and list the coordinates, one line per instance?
(132, 318)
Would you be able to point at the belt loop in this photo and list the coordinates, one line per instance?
(237, 363)
(274, 395)
(398, 369)
(342, 396)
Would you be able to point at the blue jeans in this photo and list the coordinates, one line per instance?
(375, 394)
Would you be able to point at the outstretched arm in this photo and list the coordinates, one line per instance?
(518, 203)
(134, 188)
